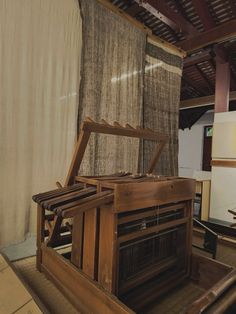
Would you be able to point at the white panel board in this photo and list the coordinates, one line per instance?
(224, 140)
(223, 193)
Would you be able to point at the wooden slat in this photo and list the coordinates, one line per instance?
(87, 296)
(155, 158)
(203, 101)
(148, 213)
(68, 198)
(157, 228)
(90, 202)
(77, 157)
(57, 192)
(122, 131)
(224, 163)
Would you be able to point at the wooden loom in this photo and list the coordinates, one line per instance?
(129, 235)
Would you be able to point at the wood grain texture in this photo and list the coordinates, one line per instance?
(140, 195)
(84, 293)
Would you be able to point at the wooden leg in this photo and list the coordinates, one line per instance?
(90, 243)
(77, 240)
(40, 235)
(107, 249)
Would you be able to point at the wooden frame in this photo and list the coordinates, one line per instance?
(92, 275)
(89, 126)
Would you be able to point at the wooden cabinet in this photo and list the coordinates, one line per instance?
(202, 199)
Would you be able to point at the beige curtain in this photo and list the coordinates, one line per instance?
(39, 85)
(162, 80)
(111, 86)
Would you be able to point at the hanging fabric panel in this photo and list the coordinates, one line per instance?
(162, 80)
(39, 86)
(111, 86)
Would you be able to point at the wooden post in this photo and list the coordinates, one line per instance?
(40, 235)
(222, 85)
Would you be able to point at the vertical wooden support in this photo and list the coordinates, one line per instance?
(90, 243)
(189, 232)
(107, 249)
(77, 240)
(222, 85)
(40, 235)
(77, 157)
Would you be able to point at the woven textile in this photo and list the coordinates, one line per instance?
(162, 81)
(113, 60)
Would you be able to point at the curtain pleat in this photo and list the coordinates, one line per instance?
(162, 81)
(113, 60)
(39, 86)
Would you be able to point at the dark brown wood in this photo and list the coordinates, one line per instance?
(77, 240)
(202, 10)
(40, 235)
(89, 203)
(151, 230)
(221, 33)
(222, 85)
(201, 57)
(168, 16)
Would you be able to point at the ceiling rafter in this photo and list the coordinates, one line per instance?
(205, 78)
(202, 10)
(168, 16)
(221, 33)
(201, 57)
(193, 84)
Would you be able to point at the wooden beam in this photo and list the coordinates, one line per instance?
(222, 85)
(193, 84)
(201, 57)
(203, 101)
(202, 10)
(205, 78)
(168, 16)
(221, 33)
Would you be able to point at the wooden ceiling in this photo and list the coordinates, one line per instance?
(203, 28)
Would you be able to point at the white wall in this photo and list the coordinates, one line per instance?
(191, 146)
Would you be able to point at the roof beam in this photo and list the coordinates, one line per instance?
(201, 57)
(221, 33)
(202, 74)
(168, 16)
(202, 10)
(203, 101)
